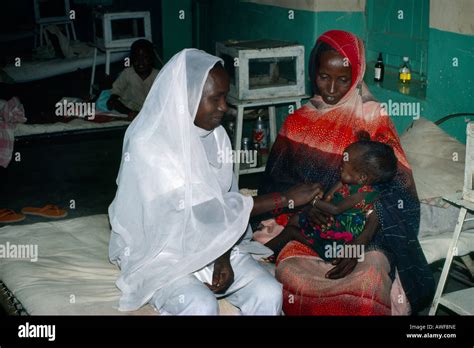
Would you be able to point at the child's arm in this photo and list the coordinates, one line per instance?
(370, 228)
(345, 204)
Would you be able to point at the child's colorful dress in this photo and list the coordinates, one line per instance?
(344, 227)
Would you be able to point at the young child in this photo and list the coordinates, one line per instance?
(132, 86)
(350, 202)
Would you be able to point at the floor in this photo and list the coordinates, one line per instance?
(79, 175)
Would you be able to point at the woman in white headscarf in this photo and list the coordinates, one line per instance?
(180, 231)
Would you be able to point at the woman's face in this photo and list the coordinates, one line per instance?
(213, 106)
(334, 77)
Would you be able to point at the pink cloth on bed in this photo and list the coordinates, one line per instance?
(11, 113)
(269, 230)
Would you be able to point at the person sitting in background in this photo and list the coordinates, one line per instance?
(130, 89)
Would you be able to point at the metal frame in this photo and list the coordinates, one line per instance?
(9, 303)
(61, 20)
(106, 20)
(240, 89)
(451, 301)
(438, 299)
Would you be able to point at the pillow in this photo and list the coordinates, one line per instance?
(437, 161)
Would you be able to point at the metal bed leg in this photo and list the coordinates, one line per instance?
(93, 71)
(452, 251)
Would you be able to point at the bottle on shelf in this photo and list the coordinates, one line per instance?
(245, 157)
(405, 71)
(379, 69)
(260, 134)
(260, 139)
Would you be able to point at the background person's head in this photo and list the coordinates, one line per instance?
(368, 162)
(142, 57)
(212, 105)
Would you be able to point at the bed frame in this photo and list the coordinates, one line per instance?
(9, 303)
(31, 146)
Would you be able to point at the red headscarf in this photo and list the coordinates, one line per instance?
(350, 46)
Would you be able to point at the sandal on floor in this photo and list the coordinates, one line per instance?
(9, 216)
(49, 211)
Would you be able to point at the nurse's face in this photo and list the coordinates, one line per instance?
(213, 106)
(334, 77)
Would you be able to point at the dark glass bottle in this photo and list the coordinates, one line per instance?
(379, 69)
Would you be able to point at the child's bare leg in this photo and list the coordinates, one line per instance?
(289, 233)
(286, 236)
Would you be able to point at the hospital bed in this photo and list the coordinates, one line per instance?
(73, 276)
(41, 69)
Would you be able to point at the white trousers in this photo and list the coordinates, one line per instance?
(254, 291)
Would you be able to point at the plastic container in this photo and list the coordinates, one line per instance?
(405, 71)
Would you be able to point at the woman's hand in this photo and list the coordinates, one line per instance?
(297, 195)
(303, 193)
(223, 275)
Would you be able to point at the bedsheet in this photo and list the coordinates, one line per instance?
(42, 69)
(72, 274)
(77, 124)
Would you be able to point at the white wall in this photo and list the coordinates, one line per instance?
(456, 16)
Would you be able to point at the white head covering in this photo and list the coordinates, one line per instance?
(173, 213)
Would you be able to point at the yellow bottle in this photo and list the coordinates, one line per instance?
(405, 72)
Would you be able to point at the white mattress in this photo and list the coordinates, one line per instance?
(436, 230)
(72, 265)
(436, 247)
(77, 124)
(41, 69)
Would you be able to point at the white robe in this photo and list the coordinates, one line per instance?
(174, 211)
